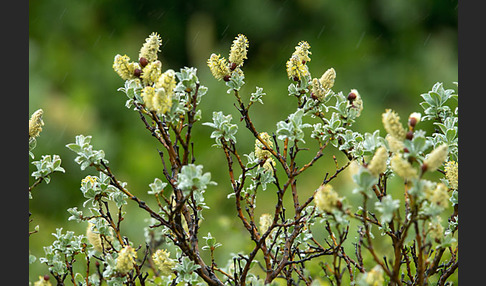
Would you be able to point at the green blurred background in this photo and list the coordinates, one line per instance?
(391, 51)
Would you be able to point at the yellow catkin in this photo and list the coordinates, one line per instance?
(126, 259)
(151, 72)
(395, 144)
(403, 168)
(391, 122)
(377, 164)
(124, 68)
(326, 199)
(438, 196)
(435, 159)
(162, 102)
(266, 221)
(147, 95)
(163, 261)
(151, 47)
(296, 69)
(269, 165)
(36, 123)
(317, 90)
(260, 153)
(218, 66)
(327, 79)
(302, 51)
(167, 81)
(452, 174)
(436, 230)
(94, 238)
(239, 50)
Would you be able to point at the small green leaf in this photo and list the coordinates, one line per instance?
(387, 206)
(156, 187)
(365, 181)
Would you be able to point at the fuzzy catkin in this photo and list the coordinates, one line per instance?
(438, 196)
(266, 221)
(151, 47)
(151, 72)
(452, 174)
(163, 261)
(239, 50)
(391, 122)
(126, 259)
(377, 164)
(218, 66)
(167, 81)
(436, 230)
(94, 238)
(435, 159)
(123, 67)
(302, 51)
(36, 123)
(395, 144)
(326, 199)
(296, 69)
(260, 153)
(403, 168)
(327, 79)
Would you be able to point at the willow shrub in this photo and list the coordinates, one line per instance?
(286, 241)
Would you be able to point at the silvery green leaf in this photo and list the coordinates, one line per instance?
(47, 179)
(76, 215)
(86, 154)
(266, 178)
(431, 209)
(257, 95)
(236, 82)
(365, 181)
(293, 90)
(186, 271)
(387, 206)
(202, 90)
(32, 145)
(129, 103)
(293, 128)
(211, 241)
(371, 142)
(192, 178)
(418, 145)
(74, 147)
(224, 129)
(187, 79)
(119, 198)
(156, 187)
(454, 197)
(252, 159)
(46, 166)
